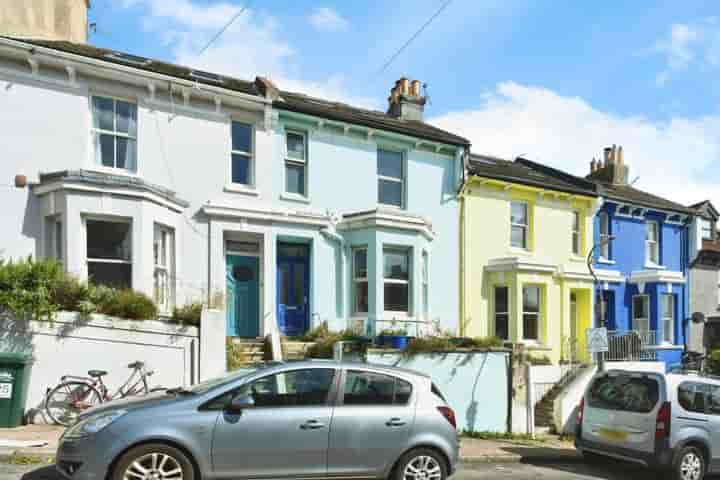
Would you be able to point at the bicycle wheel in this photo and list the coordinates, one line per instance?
(68, 400)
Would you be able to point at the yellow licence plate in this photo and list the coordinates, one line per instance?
(612, 434)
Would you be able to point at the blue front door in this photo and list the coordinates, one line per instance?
(243, 317)
(293, 279)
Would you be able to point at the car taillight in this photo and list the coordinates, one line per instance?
(581, 410)
(662, 424)
(449, 415)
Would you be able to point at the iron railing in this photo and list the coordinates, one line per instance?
(632, 345)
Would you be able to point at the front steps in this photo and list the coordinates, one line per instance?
(294, 349)
(545, 408)
(248, 352)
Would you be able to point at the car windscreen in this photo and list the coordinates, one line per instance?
(624, 393)
(204, 387)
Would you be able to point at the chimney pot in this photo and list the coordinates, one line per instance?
(593, 165)
(20, 181)
(404, 86)
(415, 88)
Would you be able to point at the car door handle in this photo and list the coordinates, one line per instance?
(395, 422)
(312, 425)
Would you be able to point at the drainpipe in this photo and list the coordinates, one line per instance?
(331, 234)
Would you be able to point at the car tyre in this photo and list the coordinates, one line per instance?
(154, 461)
(421, 464)
(689, 464)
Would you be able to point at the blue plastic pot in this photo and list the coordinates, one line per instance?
(398, 342)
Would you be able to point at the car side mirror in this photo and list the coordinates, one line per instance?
(240, 403)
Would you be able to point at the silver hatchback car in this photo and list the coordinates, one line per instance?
(298, 420)
(666, 421)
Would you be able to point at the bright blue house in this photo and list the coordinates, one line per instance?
(642, 265)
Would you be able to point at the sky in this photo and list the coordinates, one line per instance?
(555, 81)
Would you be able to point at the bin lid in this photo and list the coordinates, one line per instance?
(15, 358)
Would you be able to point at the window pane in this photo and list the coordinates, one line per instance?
(241, 137)
(364, 388)
(396, 264)
(575, 243)
(108, 240)
(390, 192)
(361, 297)
(531, 299)
(390, 164)
(116, 275)
(518, 213)
(502, 330)
(293, 250)
(126, 153)
(403, 390)
(295, 146)
(360, 263)
(294, 388)
(530, 326)
(107, 150)
(693, 397)
(640, 307)
(651, 231)
(103, 113)
(295, 178)
(624, 393)
(396, 297)
(517, 237)
(713, 400)
(576, 221)
(240, 169)
(501, 299)
(126, 118)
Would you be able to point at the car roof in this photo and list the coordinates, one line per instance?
(280, 366)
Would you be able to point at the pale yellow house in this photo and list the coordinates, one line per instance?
(527, 230)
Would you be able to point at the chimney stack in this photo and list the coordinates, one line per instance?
(612, 168)
(406, 101)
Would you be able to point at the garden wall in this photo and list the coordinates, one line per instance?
(475, 384)
(74, 344)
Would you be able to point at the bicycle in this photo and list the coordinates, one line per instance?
(74, 394)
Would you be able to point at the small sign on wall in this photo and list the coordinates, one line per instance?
(597, 340)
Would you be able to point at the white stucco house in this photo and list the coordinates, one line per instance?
(190, 186)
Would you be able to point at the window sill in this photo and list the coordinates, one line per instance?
(654, 266)
(113, 171)
(605, 261)
(293, 197)
(576, 258)
(243, 189)
(520, 251)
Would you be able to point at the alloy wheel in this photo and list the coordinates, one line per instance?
(422, 467)
(691, 467)
(154, 466)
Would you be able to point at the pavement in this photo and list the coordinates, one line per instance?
(36, 443)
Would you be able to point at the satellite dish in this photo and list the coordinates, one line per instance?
(698, 317)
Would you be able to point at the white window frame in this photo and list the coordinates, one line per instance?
(297, 163)
(408, 252)
(89, 260)
(538, 314)
(425, 283)
(652, 247)
(401, 180)
(525, 226)
(357, 280)
(604, 236)
(668, 318)
(96, 132)
(576, 237)
(637, 323)
(250, 155)
(706, 226)
(496, 313)
(164, 267)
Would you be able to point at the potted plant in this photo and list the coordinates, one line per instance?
(393, 338)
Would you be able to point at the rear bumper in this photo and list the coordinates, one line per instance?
(660, 458)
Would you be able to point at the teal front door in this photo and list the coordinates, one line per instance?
(243, 284)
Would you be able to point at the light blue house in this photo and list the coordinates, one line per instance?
(642, 264)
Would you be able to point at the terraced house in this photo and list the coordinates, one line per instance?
(189, 185)
(642, 265)
(526, 232)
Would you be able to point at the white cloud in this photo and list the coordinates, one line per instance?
(328, 19)
(676, 159)
(688, 44)
(252, 45)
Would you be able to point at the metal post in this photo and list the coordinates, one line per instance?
(602, 320)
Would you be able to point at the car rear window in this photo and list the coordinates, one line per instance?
(624, 393)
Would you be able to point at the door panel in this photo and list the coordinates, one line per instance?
(293, 283)
(243, 305)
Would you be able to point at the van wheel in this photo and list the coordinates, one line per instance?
(690, 465)
(153, 462)
(420, 464)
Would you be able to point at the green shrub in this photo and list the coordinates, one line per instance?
(26, 288)
(478, 342)
(128, 304)
(442, 343)
(392, 332)
(234, 354)
(68, 293)
(539, 360)
(325, 340)
(712, 364)
(188, 314)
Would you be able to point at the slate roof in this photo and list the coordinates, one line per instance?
(629, 194)
(530, 173)
(111, 180)
(290, 101)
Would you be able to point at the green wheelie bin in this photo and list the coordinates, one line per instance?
(14, 383)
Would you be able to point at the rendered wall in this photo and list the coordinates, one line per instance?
(45, 19)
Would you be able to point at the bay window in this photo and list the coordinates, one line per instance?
(641, 313)
(707, 229)
(425, 285)
(360, 281)
(115, 133)
(396, 280)
(109, 252)
(164, 272)
(531, 312)
(502, 312)
(667, 303)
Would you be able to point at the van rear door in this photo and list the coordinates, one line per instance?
(621, 409)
